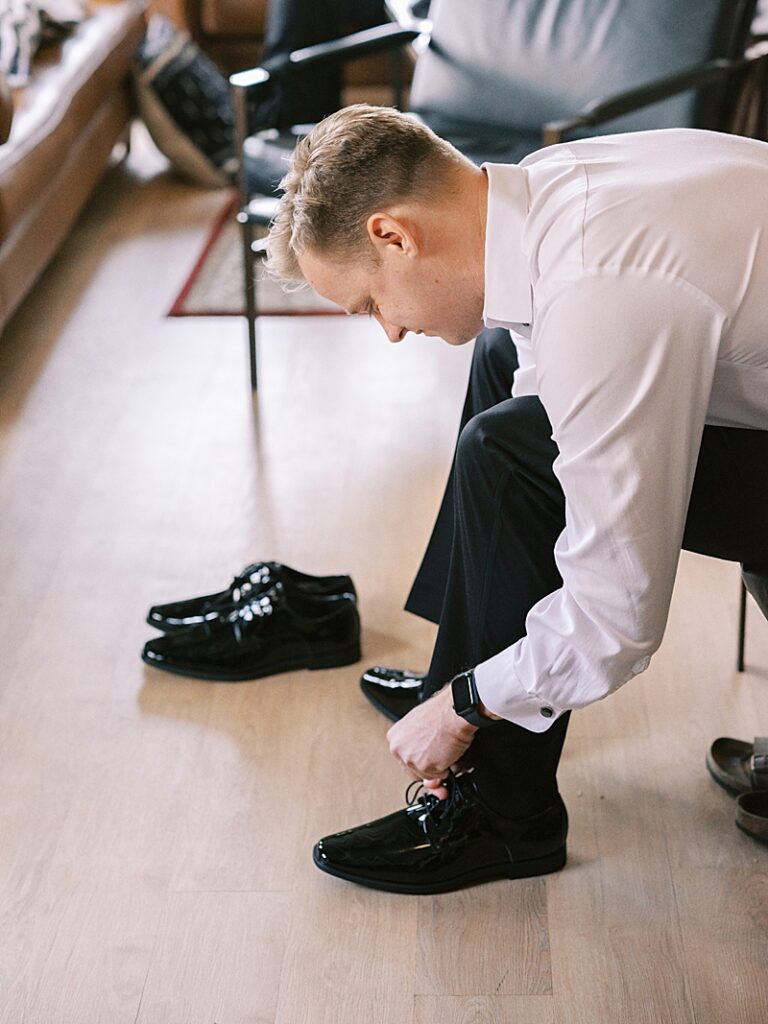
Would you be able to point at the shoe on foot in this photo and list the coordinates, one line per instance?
(435, 846)
(254, 580)
(393, 691)
(274, 632)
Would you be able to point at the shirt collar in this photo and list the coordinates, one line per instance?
(508, 297)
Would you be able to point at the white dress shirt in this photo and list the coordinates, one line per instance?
(633, 272)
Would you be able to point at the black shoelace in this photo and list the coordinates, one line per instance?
(245, 616)
(434, 816)
(254, 577)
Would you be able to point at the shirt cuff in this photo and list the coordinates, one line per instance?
(501, 691)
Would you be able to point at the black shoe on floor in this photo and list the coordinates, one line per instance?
(392, 691)
(253, 581)
(274, 632)
(435, 846)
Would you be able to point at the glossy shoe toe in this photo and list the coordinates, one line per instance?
(393, 691)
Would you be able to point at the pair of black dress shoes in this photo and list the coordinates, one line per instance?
(273, 619)
(270, 619)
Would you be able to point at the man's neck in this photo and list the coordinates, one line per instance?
(461, 223)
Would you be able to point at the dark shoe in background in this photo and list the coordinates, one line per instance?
(752, 814)
(275, 631)
(253, 581)
(742, 769)
(392, 691)
(737, 766)
(435, 846)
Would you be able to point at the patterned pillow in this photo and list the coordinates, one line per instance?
(185, 102)
(19, 39)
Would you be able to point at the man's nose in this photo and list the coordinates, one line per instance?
(393, 333)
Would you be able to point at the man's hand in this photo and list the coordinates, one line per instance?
(430, 740)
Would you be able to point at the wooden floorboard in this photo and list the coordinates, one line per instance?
(156, 832)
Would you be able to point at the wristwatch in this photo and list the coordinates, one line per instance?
(466, 701)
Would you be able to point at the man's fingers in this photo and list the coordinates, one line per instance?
(436, 787)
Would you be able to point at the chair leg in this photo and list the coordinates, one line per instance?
(249, 287)
(742, 627)
(397, 77)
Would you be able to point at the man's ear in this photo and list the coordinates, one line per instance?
(391, 234)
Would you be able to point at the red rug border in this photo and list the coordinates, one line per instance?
(219, 224)
(218, 227)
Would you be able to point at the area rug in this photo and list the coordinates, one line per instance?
(215, 284)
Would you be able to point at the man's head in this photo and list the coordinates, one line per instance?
(383, 217)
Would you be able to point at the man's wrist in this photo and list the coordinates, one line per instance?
(489, 714)
(467, 705)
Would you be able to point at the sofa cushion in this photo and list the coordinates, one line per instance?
(69, 80)
(186, 104)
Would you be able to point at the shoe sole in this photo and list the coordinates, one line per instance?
(522, 869)
(758, 836)
(723, 785)
(330, 659)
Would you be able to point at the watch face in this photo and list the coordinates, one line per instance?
(462, 693)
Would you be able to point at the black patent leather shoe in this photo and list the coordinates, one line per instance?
(274, 632)
(393, 691)
(435, 846)
(253, 580)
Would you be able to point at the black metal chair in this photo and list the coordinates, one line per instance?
(500, 80)
(264, 153)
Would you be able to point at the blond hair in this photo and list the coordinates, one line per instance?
(355, 162)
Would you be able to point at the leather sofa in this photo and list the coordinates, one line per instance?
(56, 136)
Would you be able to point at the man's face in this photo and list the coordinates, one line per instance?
(417, 294)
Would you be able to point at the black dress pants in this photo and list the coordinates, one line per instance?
(490, 557)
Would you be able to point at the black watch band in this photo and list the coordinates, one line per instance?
(466, 701)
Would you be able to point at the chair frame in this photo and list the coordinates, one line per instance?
(742, 628)
(249, 85)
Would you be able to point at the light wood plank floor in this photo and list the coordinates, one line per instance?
(156, 832)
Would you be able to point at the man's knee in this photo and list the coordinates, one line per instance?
(515, 434)
(475, 441)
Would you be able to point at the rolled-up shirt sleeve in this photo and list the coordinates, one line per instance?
(624, 369)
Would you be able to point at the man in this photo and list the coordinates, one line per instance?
(633, 271)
